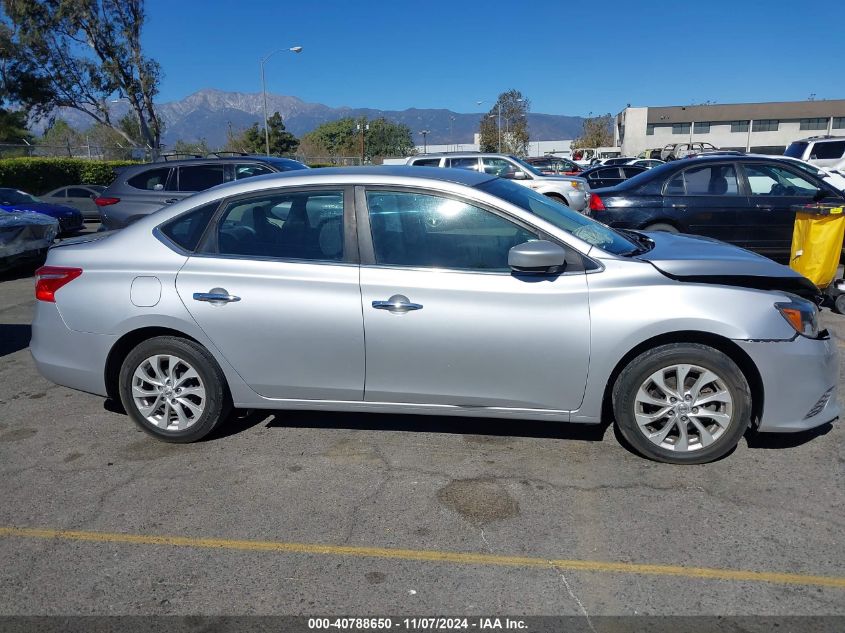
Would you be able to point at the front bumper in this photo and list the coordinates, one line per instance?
(67, 357)
(800, 382)
(71, 223)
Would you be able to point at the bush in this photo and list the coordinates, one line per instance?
(40, 175)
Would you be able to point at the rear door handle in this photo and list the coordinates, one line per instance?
(397, 304)
(764, 207)
(679, 206)
(171, 200)
(217, 295)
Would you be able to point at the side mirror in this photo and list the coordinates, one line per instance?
(538, 256)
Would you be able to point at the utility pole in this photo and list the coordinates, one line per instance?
(362, 127)
(425, 134)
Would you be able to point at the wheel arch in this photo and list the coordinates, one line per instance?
(721, 343)
(557, 196)
(125, 344)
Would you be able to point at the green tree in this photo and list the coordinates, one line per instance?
(385, 138)
(13, 127)
(334, 138)
(510, 112)
(60, 137)
(343, 138)
(597, 132)
(79, 54)
(251, 140)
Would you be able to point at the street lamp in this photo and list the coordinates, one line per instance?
(425, 133)
(292, 49)
(451, 134)
(363, 128)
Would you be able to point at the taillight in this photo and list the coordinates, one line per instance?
(596, 203)
(48, 279)
(100, 201)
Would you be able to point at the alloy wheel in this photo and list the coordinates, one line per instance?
(168, 392)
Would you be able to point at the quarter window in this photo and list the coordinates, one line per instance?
(187, 229)
(768, 180)
(411, 229)
(151, 179)
(303, 225)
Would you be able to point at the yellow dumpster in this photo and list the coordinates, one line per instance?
(817, 241)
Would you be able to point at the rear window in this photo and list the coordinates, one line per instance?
(828, 150)
(187, 229)
(151, 179)
(796, 150)
(427, 162)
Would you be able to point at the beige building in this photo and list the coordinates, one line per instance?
(765, 128)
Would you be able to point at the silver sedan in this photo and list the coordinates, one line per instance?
(420, 291)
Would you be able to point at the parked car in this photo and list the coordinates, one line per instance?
(676, 151)
(79, 197)
(142, 189)
(569, 190)
(554, 165)
(619, 160)
(831, 177)
(744, 200)
(824, 151)
(603, 176)
(479, 297)
(648, 163)
(25, 236)
(16, 201)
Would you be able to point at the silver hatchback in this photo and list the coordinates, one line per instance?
(431, 291)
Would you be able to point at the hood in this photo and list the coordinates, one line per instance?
(559, 177)
(699, 259)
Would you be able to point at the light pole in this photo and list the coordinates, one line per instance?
(425, 133)
(292, 49)
(362, 127)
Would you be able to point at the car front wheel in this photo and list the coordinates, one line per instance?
(682, 403)
(173, 389)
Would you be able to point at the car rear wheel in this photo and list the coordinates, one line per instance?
(682, 403)
(173, 389)
(661, 226)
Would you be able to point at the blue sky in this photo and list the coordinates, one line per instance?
(566, 57)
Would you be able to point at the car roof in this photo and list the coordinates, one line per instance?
(373, 174)
(157, 164)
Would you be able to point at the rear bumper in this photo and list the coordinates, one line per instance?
(800, 382)
(67, 357)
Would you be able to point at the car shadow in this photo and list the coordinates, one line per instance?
(755, 439)
(21, 271)
(241, 421)
(14, 337)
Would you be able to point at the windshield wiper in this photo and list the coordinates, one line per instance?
(645, 244)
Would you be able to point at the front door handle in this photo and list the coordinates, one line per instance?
(217, 296)
(764, 207)
(171, 200)
(397, 304)
(679, 206)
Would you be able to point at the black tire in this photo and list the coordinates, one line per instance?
(217, 402)
(661, 226)
(557, 198)
(839, 304)
(638, 371)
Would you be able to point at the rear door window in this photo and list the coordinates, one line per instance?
(78, 193)
(711, 180)
(150, 179)
(201, 177)
(463, 163)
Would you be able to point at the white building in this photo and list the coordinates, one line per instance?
(765, 128)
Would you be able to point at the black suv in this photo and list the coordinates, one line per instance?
(139, 190)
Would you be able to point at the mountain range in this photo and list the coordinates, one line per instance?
(208, 113)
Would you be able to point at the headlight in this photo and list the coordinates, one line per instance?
(803, 316)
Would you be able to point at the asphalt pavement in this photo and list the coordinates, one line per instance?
(323, 513)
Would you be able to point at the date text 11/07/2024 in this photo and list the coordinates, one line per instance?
(417, 624)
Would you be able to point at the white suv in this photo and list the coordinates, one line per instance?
(824, 151)
(570, 190)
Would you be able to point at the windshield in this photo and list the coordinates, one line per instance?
(561, 216)
(529, 168)
(796, 150)
(14, 196)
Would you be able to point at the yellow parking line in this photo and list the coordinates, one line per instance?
(464, 558)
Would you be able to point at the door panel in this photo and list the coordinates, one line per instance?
(291, 323)
(477, 335)
(705, 200)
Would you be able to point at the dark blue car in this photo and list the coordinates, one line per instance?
(15, 201)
